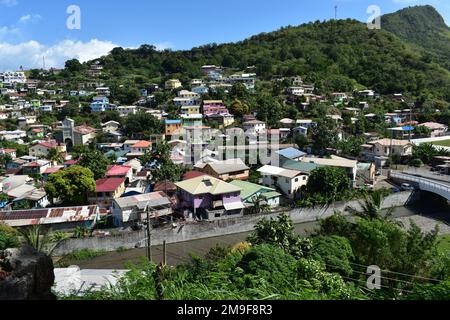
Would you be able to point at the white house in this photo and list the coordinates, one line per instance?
(288, 181)
(255, 126)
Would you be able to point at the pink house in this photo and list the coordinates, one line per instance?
(437, 129)
(213, 107)
(210, 198)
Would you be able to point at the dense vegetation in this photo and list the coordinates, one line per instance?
(277, 264)
(340, 55)
(424, 27)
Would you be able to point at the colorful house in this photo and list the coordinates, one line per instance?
(211, 107)
(173, 127)
(210, 198)
(100, 104)
(251, 192)
(106, 190)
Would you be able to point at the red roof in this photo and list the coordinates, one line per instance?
(52, 170)
(142, 144)
(108, 184)
(49, 144)
(192, 174)
(115, 171)
(7, 150)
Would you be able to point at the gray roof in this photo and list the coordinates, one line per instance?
(154, 199)
(228, 166)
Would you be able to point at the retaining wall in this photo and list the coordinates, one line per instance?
(200, 230)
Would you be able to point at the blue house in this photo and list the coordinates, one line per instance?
(200, 90)
(292, 154)
(100, 104)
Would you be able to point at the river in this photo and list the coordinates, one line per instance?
(426, 214)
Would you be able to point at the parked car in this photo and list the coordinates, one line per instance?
(407, 187)
(395, 190)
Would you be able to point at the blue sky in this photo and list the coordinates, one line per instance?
(30, 29)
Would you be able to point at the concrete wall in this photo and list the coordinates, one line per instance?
(200, 230)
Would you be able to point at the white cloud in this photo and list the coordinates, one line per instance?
(164, 45)
(9, 3)
(30, 18)
(29, 54)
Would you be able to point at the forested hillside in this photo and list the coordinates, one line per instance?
(336, 55)
(424, 27)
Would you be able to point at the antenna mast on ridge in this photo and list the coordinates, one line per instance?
(335, 12)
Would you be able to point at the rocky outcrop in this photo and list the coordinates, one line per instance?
(27, 275)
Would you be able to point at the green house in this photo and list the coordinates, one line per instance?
(251, 190)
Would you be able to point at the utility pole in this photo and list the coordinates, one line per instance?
(164, 263)
(149, 239)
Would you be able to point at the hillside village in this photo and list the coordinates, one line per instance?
(157, 168)
(307, 163)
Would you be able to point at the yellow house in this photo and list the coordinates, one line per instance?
(173, 84)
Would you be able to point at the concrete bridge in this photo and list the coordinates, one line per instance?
(424, 182)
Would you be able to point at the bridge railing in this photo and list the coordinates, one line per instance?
(424, 183)
(436, 175)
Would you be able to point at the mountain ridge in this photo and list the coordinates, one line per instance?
(337, 55)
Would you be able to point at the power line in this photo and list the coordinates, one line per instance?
(398, 273)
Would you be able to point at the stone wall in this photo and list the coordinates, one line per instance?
(200, 230)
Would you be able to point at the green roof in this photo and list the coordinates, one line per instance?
(250, 189)
(300, 166)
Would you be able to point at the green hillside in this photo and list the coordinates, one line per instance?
(335, 55)
(424, 27)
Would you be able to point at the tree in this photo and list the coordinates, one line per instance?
(259, 205)
(352, 146)
(73, 65)
(8, 237)
(5, 159)
(41, 239)
(238, 108)
(280, 232)
(422, 131)
(335, 252)
(142, 123)
(329, 182)
(324, 135)
(371, 207)
(96, 162)
(55, 156)
(427, 151)
(386, 244)
(71, 185)
(301, 141)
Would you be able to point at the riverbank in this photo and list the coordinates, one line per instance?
(206, 230)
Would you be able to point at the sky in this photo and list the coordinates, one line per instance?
(32, 29)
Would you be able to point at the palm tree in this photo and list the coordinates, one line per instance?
(371, 207)
(259, 205)
(41, 239)
(55, 156)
